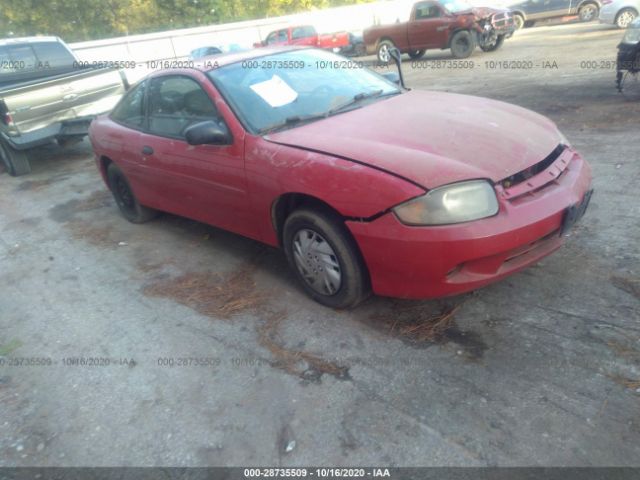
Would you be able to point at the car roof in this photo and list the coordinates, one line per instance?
(224, 59)
(18, 40)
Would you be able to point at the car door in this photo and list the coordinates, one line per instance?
(429, 26)
(539, 9)
(203, 182)
(305, 35)
(279, 37)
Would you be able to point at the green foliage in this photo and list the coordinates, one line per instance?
(76, 20)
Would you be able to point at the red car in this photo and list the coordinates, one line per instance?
(440, 24)
(366, 186)
(306, 35)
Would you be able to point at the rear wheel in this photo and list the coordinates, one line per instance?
(625, 17)
(462, 44)
(588, 12)
(325, 258)
(417, 54)
(15, 161)
(126, 200)
(384, 54)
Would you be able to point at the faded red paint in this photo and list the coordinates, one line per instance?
(362, 163)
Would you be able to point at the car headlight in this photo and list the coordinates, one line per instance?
(455, 203)
(631, 36)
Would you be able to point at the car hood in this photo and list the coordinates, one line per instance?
(481, 12)
(432, 138)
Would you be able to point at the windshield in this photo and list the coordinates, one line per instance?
(284, 89)
(456, 5)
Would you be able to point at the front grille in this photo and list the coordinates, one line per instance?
(502, 20)
(534, 169)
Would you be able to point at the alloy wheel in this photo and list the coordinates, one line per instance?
(625, 18)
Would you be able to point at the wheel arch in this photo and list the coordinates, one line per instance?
(622, 9)
(103, 163)
(454, 32)
(286, 203)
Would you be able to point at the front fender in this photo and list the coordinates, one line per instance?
(353, 189)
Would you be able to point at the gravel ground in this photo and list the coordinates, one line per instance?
(205, 352)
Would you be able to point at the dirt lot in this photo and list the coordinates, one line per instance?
(540, 369)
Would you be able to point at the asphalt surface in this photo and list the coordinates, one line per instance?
(174, 343)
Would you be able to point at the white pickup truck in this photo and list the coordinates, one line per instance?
(47, 95)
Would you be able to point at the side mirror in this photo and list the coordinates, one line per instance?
(207, 133)
(392, 77)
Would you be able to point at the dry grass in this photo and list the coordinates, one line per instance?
(35, 185)
(97, 199)
(415, 322)
(93, 234)
(211, 294)
(296, 362)
(629, 285)
(623, 350)
(626, 382)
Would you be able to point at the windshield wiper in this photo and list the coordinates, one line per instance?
(355, 100)
(293, 120)
(298, 119)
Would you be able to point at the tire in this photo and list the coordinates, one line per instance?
(384, 57)
(329, 267)
(495, 46)
(124, 197)
(462, 44)
(518, 20)
(16, 162)
(588, 12)
(625, 17)
(417, 54)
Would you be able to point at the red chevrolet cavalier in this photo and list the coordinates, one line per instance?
(365, 185)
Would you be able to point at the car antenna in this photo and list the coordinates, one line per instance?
(397, 57)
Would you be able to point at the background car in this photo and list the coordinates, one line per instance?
(526, 13)
(204, 52)
(619, 12)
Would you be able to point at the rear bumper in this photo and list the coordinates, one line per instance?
(78, 127)
(429, 262)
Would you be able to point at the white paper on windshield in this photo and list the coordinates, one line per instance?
(276, 92)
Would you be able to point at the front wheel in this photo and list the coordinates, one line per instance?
(325, 258)
(588, 12)
(519, 21)
(625, 17)
(462, 44)
(494, 45)
(417, 54)
(384, 51)
(124, 197)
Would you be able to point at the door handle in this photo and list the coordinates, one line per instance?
(146, 150)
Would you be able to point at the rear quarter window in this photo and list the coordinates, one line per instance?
(130, 110)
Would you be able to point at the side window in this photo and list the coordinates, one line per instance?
(23, 55)
(302, 32)
(272, 38)
(427, 10)
(176, 103)
(130, 110)
(282, 36)
(54, 54)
